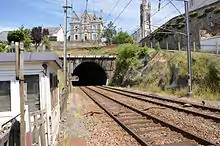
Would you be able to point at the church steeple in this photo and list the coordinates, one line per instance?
(145, 21)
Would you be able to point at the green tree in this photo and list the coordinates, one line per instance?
(47, 43)
(38, 34)
(109, 32)
(4, 47)
(16, 36)
(20, 35)
(122, 38)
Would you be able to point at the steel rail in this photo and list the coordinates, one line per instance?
(213, 109)
(130, 131)
(215, 118)
(186, 134)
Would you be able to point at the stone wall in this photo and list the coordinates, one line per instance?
(206, 26)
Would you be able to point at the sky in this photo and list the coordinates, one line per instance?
(49, 13)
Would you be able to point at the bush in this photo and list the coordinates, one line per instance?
(52, 38)
(47, 44)
(217, 10)
(4, 47)
(92, 48)
(142, 52)
(179, 19)
(209, 9)
(193, 14)
(157, 46)
(200, 16)
(126, 55)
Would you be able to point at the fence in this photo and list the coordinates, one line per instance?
(213, 47)
(38, 122)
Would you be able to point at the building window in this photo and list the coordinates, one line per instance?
(94, 36)
(76, 37)
(94, 27)
(33, 92)
(5, 96)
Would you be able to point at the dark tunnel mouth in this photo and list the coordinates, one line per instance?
(90, 74)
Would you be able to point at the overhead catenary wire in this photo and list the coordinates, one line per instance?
(116, 4)
(122, 11)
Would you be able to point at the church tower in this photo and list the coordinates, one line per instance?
(145, 22)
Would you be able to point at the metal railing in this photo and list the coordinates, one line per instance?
(10, 132)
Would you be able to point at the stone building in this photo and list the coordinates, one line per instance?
(87, 27)
(145, 22)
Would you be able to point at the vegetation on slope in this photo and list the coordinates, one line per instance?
(161, 71)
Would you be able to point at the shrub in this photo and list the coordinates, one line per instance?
(142, 52)
(157, 46)
(4, 47)
(180, 26)
(209, 9)
(217, 10)
(193, 14)
(52, 38)
(92, 48)
(179, 19)
(126, 55)
(47, 44)
(200, 16)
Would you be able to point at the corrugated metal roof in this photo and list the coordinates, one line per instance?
(32, 56)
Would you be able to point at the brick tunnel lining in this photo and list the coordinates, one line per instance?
(90, 74)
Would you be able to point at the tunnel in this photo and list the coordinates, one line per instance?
(89, 74)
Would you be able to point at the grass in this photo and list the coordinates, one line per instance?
(181, 93)
(82, 52)
(164, 67)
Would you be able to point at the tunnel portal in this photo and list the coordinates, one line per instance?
(89, 74)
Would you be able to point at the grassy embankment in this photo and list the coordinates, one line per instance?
(90, 51)
(166, 72)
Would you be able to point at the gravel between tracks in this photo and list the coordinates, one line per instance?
(194, 124)
(96, 129)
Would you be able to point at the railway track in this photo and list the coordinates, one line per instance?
(187, 107)
(145, 128)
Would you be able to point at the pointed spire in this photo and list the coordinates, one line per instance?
(101, 15)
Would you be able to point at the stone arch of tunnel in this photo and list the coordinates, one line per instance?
(89, 74)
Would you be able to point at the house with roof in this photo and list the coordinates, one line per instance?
(41, 87)
(56, 34)
(87, 27)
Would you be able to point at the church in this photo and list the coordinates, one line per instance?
(145, 22)
(86, 28)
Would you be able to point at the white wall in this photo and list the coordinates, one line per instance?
(209, 44)
(7, 73)
(60, 37)
(195, 4)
